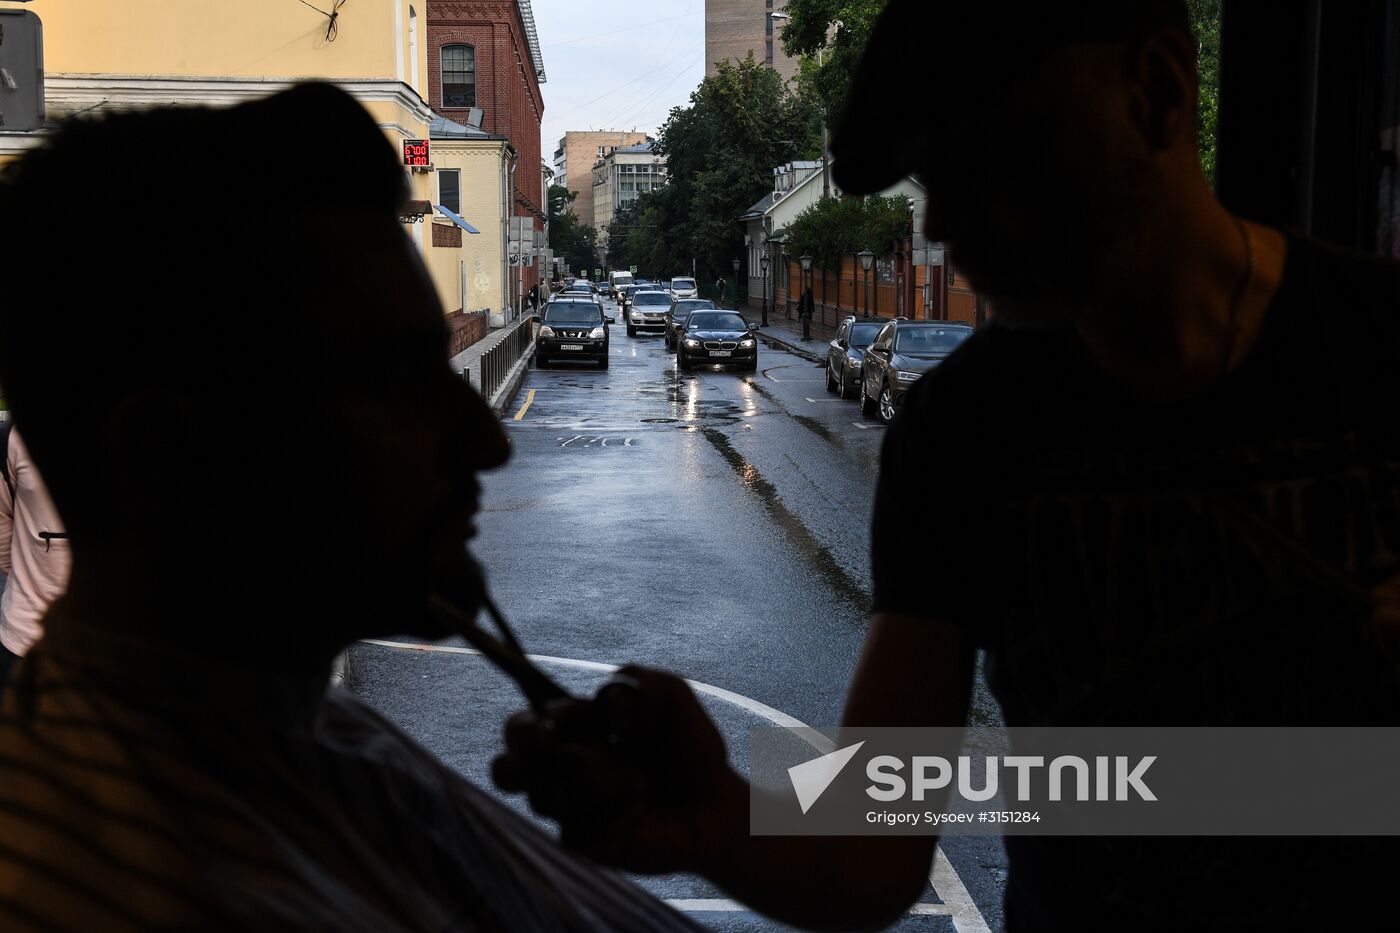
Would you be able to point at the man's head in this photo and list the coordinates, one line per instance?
(1052, 138)
(229, 362)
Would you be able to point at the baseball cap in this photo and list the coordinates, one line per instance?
(970, 50)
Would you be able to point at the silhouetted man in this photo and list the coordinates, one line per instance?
(260, 453)
(1170, 465)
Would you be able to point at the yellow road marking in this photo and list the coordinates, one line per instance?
(530, 397)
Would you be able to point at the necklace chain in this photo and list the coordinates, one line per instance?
(1232, 324)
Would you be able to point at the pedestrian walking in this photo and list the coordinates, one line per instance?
(1138, 493)
(34, 554)
(720, 286)
(805, 308)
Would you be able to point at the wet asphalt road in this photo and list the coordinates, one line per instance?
(713, 523)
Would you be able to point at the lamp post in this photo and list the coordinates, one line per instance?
(763, 264)
(735, 264)
(867, 259)
(804, 303)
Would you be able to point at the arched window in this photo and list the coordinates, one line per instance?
(458, 77)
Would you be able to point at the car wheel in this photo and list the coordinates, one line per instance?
(830, 382)
(751, 366)
(886, 404)
(841, 390)
(867, 404)
(603, 363)
(682, 363)
(631, 331)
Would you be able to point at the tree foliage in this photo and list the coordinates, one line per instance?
(1205, 22)
(571, 240)
(812, 28)
(836, 227)
(720, 153)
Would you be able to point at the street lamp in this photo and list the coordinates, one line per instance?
(735, 264)
(763, 264)
(867, 259)
(805, 260)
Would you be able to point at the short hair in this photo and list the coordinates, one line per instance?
(142, 248)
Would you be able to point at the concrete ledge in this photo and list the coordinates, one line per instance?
(506, 393)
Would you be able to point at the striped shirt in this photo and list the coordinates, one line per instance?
(141, 789)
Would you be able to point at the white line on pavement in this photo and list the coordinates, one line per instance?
(817, 401)
(866, 427)
(957, 902)
(700, 905)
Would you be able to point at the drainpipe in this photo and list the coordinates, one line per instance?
(507, 210)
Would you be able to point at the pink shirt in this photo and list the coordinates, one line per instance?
(37, 568)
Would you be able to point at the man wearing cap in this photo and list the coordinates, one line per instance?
(1175, 458)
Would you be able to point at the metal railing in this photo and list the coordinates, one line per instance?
(496, 363)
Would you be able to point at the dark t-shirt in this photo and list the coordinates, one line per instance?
(1132, 562)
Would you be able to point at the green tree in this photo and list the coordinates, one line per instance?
(836, 227)
(1205, 22)
(812, 28)
(571, 240)
(720, 153)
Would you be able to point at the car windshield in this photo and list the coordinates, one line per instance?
(863, 335)
(930, 339)
(702, 320)
(683, 283)
(622, 280)
(695, 304)
(573, 312)
(651, 298)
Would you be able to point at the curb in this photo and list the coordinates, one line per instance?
(794, 346)
(506, 393)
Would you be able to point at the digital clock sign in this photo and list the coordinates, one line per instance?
(416, 153)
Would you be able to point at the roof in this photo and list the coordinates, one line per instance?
(644, 148)
(763, 206)
(443, 128)
(532, 36)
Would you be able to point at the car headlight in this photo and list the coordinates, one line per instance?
(746, 343)
(598, 333)
(692, 343)
(855, 362)
(909, 377)
(546, 331)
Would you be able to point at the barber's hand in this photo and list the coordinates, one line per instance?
(636, 777)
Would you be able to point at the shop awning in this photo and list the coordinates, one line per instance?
(456, 219)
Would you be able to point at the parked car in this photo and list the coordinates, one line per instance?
(717, 337)
(647, 311)
(575, 329)
(902, 352)
(846, 353)
(685, 287)
(675, 317)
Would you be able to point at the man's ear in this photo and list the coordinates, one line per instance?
(156, 455)
(1164, 86)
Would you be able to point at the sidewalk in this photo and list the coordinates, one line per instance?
(470, 359)
(788, 334)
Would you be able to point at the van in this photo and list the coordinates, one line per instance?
(617, 281)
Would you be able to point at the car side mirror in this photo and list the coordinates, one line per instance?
(610, 320)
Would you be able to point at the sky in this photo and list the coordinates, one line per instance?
(616, 64)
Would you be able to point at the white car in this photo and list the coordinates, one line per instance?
(685, 288)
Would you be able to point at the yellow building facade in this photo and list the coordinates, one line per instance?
(141, 53)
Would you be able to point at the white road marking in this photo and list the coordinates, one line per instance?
(570, 440)
(866, 427)
(957, 902)
(701, 905)
(816, 401)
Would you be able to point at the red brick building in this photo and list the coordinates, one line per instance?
(486, 54)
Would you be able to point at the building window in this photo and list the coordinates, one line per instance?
(450, 189)
(458, 77)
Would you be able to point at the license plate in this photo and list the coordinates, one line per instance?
(570, 346)
(721, 353)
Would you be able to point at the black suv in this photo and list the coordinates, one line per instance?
(902, 352)
(573, 329)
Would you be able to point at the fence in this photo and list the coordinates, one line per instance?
(496, 363)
